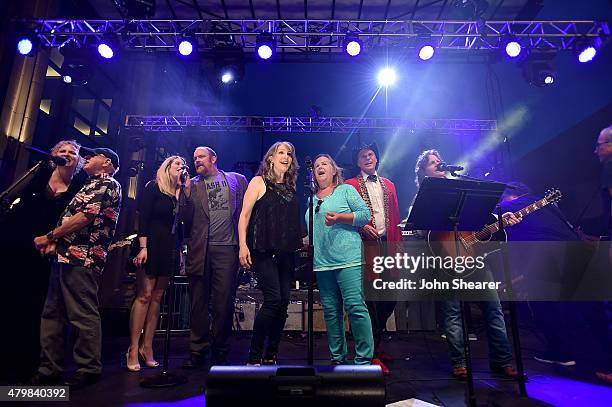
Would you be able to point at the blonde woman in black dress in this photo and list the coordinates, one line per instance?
(155, 260)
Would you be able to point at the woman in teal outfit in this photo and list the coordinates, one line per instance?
(339, 211)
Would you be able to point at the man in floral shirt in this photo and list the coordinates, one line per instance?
(80, 241)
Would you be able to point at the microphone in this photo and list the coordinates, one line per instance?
(448, 168)
(308, 162)
(184, 173)
(61, 161)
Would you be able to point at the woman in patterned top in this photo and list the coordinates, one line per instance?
(156, 259)
(339, 212)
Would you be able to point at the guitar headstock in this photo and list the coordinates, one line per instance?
(552, 196)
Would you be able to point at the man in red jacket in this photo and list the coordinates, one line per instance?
(380, 196)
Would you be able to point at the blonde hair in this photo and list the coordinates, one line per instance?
(266, 170)
(80, 161)
(166, 184)
(421, 164)
(338, 178)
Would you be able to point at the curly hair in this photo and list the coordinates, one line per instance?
(80, 161)
(421, 164)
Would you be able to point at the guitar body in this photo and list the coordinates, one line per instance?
(442, 243)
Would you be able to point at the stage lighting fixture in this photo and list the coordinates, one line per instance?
(586, 50)
(539, 72)
(26, 44)
(386, 77)
(265, 46)
(352, 44)
(187, 45)
(426, 52)
(470, 9)
(139, 9)
(76, 68)
(425, 46)
(108, 46)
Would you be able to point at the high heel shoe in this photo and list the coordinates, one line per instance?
(142, 356)
(131, 368)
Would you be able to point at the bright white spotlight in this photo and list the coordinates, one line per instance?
(549, 79)
(426, 52)
(587, 54)
(513, 49)
(185, 47)
(25, 46)
(105, 51)
(386, 77)
(227, 77)
(264, 51)
(67, 79)
(353, 48)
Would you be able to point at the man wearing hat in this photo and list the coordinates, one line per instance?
(381, 197)
(79, 244)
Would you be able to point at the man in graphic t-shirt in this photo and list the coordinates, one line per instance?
(213, 208)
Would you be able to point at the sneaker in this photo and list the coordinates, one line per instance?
(554, 359)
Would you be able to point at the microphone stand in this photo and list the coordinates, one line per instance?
(5, 195)
(165, 378)
(310, 269)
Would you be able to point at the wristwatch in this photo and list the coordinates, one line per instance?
(50, 236)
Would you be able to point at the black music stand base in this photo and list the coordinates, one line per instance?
(164, 379)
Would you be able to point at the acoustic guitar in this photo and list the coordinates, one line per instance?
(442, 243)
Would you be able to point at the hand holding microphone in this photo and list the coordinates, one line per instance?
(448, 167)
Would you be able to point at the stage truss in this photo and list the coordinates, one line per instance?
(305, 124)
(322, 35)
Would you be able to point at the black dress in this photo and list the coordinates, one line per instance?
(25, 271)
(155, 223)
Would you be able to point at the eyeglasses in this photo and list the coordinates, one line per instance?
(318, 207)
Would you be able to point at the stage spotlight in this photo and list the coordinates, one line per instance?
(187, 45)
(586, 50)
(426, 52)
(76, 69)
(227, 77)
(512, 48)
(352, 44)
(539, 72)
(105, 50)
(386, 77)
(265, 46)
(25, 46)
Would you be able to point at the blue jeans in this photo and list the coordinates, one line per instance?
(344, 287)
(500, 354)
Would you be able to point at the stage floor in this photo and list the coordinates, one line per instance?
(421, 370)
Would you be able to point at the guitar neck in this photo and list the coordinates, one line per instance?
(494, 227)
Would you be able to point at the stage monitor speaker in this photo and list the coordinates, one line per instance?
(296, 386)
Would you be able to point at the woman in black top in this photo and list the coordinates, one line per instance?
(155, 261)
(32, 211)
(271, 213)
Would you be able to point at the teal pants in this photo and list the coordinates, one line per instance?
(338, 287)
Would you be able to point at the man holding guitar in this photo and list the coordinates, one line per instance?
(500, 354)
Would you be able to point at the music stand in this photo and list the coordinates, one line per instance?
(447, 204)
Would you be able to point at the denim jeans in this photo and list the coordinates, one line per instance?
(500, 354)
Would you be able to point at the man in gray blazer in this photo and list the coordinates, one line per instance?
(213, 208)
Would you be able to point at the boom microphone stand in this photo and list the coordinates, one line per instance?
(310, 268)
